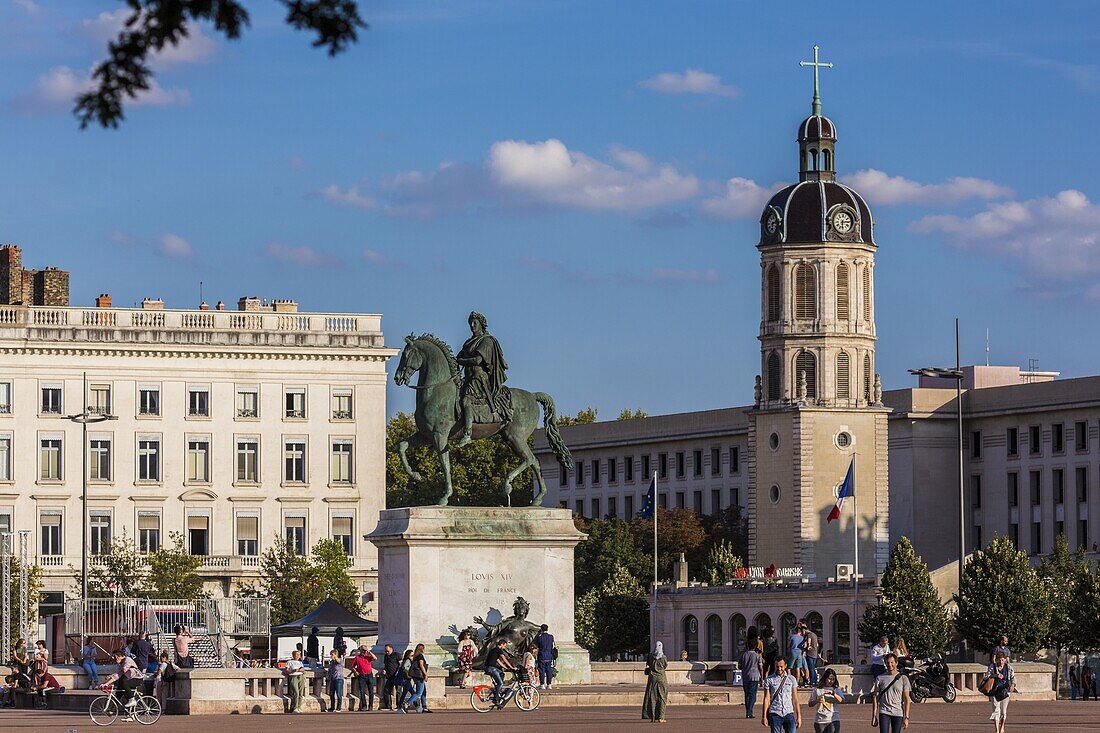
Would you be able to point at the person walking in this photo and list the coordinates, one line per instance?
(771, 650)
(656, 686)
(529, 666)
(752, 672)
(544, 642)
(418, 677)
(87, 661)
(334, 676)
(165, 676)
(1002, 647)
(144, 653)
(826, 699)
(878, 655)
(1074, 682)
(782, 713)
(362, 667)
(181, 643)
(295, 682)
(1004, 684)
(313, 647)
(467, 650)
(890, 710)
(391, 665)
(795, 659)
(811, 650)
(1086, 682)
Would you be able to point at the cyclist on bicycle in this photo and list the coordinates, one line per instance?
(130, 678)
(496, 663)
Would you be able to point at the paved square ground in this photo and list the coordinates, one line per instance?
(1024, 717)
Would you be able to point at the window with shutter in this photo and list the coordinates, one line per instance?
(842, 300)
(866, 293)
(843, 376)
(867, 377)
(806, 364)
(774, 377)
(774, 294)
(805, 293)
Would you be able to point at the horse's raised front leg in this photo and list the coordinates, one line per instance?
(415, 441)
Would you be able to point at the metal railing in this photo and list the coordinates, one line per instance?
(129, 616)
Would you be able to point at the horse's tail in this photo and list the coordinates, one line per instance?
(553, 437)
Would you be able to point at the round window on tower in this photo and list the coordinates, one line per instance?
(843, 440)
(773, 441)
(774, 494)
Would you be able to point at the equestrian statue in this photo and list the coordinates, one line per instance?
(464, 398)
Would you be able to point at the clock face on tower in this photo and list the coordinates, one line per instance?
(772, 225)
(842, 222)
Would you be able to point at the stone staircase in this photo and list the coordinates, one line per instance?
(202, 649)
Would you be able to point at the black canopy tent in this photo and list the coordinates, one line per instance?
(326, 618)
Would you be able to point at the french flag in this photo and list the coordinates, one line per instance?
(848, 488)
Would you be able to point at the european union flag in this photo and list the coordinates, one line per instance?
(650, 500)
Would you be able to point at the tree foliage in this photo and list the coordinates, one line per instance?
(626, 414)
(908, 606)
(296, 584)
(584, 417)
(1060, 572)
(331, 566)
(679, 531)
(610, 545)
(34, 591)
(1002, 594)
(120, 571)
(1083, 616)
(154, 25)
(613, 617)
(722, 564)
(172, 571)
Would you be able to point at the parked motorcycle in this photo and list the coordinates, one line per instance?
(931, 679)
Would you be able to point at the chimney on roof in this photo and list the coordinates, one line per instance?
(204, 306)
(151, 304)
(248, 303)
(284, 306)
(103, 300)
(220, 306)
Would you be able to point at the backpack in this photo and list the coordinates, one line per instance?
(169, 673)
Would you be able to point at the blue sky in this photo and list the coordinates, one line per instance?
(587, 174)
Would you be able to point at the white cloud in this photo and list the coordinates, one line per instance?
(175, 246)
(29, 6)
(886, 190)
(374, 257)
(350, 197)
(549, 173)
(304, 256)
(692, 81)
(57, 89)
(1053, 242)
(742, 199)
(195, 47)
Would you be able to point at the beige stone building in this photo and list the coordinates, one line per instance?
(231, 428)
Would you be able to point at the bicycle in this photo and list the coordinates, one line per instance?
(520, 689)
(105, 710)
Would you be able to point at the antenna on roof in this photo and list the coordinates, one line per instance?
(200, 292)
(987, 347)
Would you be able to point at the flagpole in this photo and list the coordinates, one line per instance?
(854, 640)
(653, 613)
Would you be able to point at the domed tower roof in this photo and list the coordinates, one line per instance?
(816, 211)
(816, 127)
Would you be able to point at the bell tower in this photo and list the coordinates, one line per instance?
(818, 398)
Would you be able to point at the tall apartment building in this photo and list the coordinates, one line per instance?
(231, 428)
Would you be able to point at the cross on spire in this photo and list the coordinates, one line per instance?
(817, 65)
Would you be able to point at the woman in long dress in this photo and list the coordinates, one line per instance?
(656, 686)
(466, 653)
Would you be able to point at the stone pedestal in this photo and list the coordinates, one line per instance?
(439, 566)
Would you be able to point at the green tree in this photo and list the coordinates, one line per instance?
(610, 545)
(288, 580)
(722, 564)
(477, 471)
(908, 606)
(613, 617)
(173, 571)
(330, 567)
(678, 531)
(1083, 616)
(154, 25)
(626, 414)
(729, 526)
(34, 591)
(120, 571)
(584, 417)
(1002, 594)
(1059, 571)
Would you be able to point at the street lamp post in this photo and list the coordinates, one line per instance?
(957, 375)
(88, 416)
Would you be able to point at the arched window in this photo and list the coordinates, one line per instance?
(843, 376)
(774, 294)
(805, 292)
(806, 364)
(813, 159)
(691, 637)
(867, 377)
(761, 622)
(775, 377)
(714, 639)
(843, 301)
(814, 621)
(737, 635)
(866, 292)
(787, 624)
(841, 639)
(826, 160)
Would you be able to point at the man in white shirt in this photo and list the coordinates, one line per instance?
(296, 682)
(880, 650)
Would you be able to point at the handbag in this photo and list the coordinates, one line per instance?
(986, 686)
